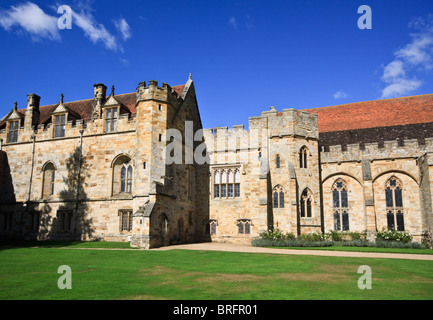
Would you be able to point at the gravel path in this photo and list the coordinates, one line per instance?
(213, 246)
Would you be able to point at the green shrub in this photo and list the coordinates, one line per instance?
(358, 243)
(340, 236)
(399, 244)
(260, 242)
(427, 239)
(393, 235)
(277, 234)
(313, 237)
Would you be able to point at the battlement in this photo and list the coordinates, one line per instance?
(290, 122)
(87, 115)
(153, 92)
(393, 149)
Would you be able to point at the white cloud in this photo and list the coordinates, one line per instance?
(400, 86)
(340, 94)
(93, 30)
(123, 28)
(232, 22)
(124, 61)
(247, 22)
(30, 18)
(414, 57)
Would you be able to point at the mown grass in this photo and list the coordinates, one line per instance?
(363, 249)
(61, 244)
(31, 273)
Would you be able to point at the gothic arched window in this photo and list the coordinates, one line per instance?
(278, 193)
(306, 203)
(340, 205)
(226, 183)
(49, 177)
(303, 157)
(394, 204)
(126, 178)
(122, 175)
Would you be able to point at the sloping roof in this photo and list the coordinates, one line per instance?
(82, 109)
(373, 114)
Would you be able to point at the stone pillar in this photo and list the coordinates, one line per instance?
(370, 213)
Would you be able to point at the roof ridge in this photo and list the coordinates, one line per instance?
(369, 101)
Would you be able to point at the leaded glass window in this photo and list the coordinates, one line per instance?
(278, 194)
(394, 204)
(340, 203)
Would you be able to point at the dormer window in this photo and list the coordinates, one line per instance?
(13, 131)
(59, 125)
(111, 119)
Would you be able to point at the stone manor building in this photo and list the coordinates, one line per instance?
(103, 169)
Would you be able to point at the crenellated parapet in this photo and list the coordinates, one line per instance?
(152, 91)
(289, 122)
(89, 116)
(395, 149)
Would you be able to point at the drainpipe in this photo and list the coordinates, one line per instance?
(31, 171)
(26, 205)
(78, 184)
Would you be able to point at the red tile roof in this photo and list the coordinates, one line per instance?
(178, 89)
(83, 108)
(372, 114)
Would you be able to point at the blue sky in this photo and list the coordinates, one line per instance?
(244, 56)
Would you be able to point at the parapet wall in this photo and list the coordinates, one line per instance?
(289, 122)
(395, 149)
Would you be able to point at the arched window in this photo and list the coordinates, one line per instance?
(49, 177)
(303, 157)
(211, 227)
(306, 204)
(394, 204)
(277, 161)
(223, 184)
(244, 226)
(278, 193)
(341, 205)
(217, 182)
(230, 184)
(122, 175)
(126, 178)
(227, 183)
(237, 183)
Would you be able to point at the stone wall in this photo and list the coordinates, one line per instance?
(366, 170)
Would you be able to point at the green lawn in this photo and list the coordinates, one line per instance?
(31, 273)
(363, 249)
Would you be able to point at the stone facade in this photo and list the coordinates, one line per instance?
(99, 169)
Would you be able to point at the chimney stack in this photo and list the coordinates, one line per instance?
(100, 93)
(32, 111)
